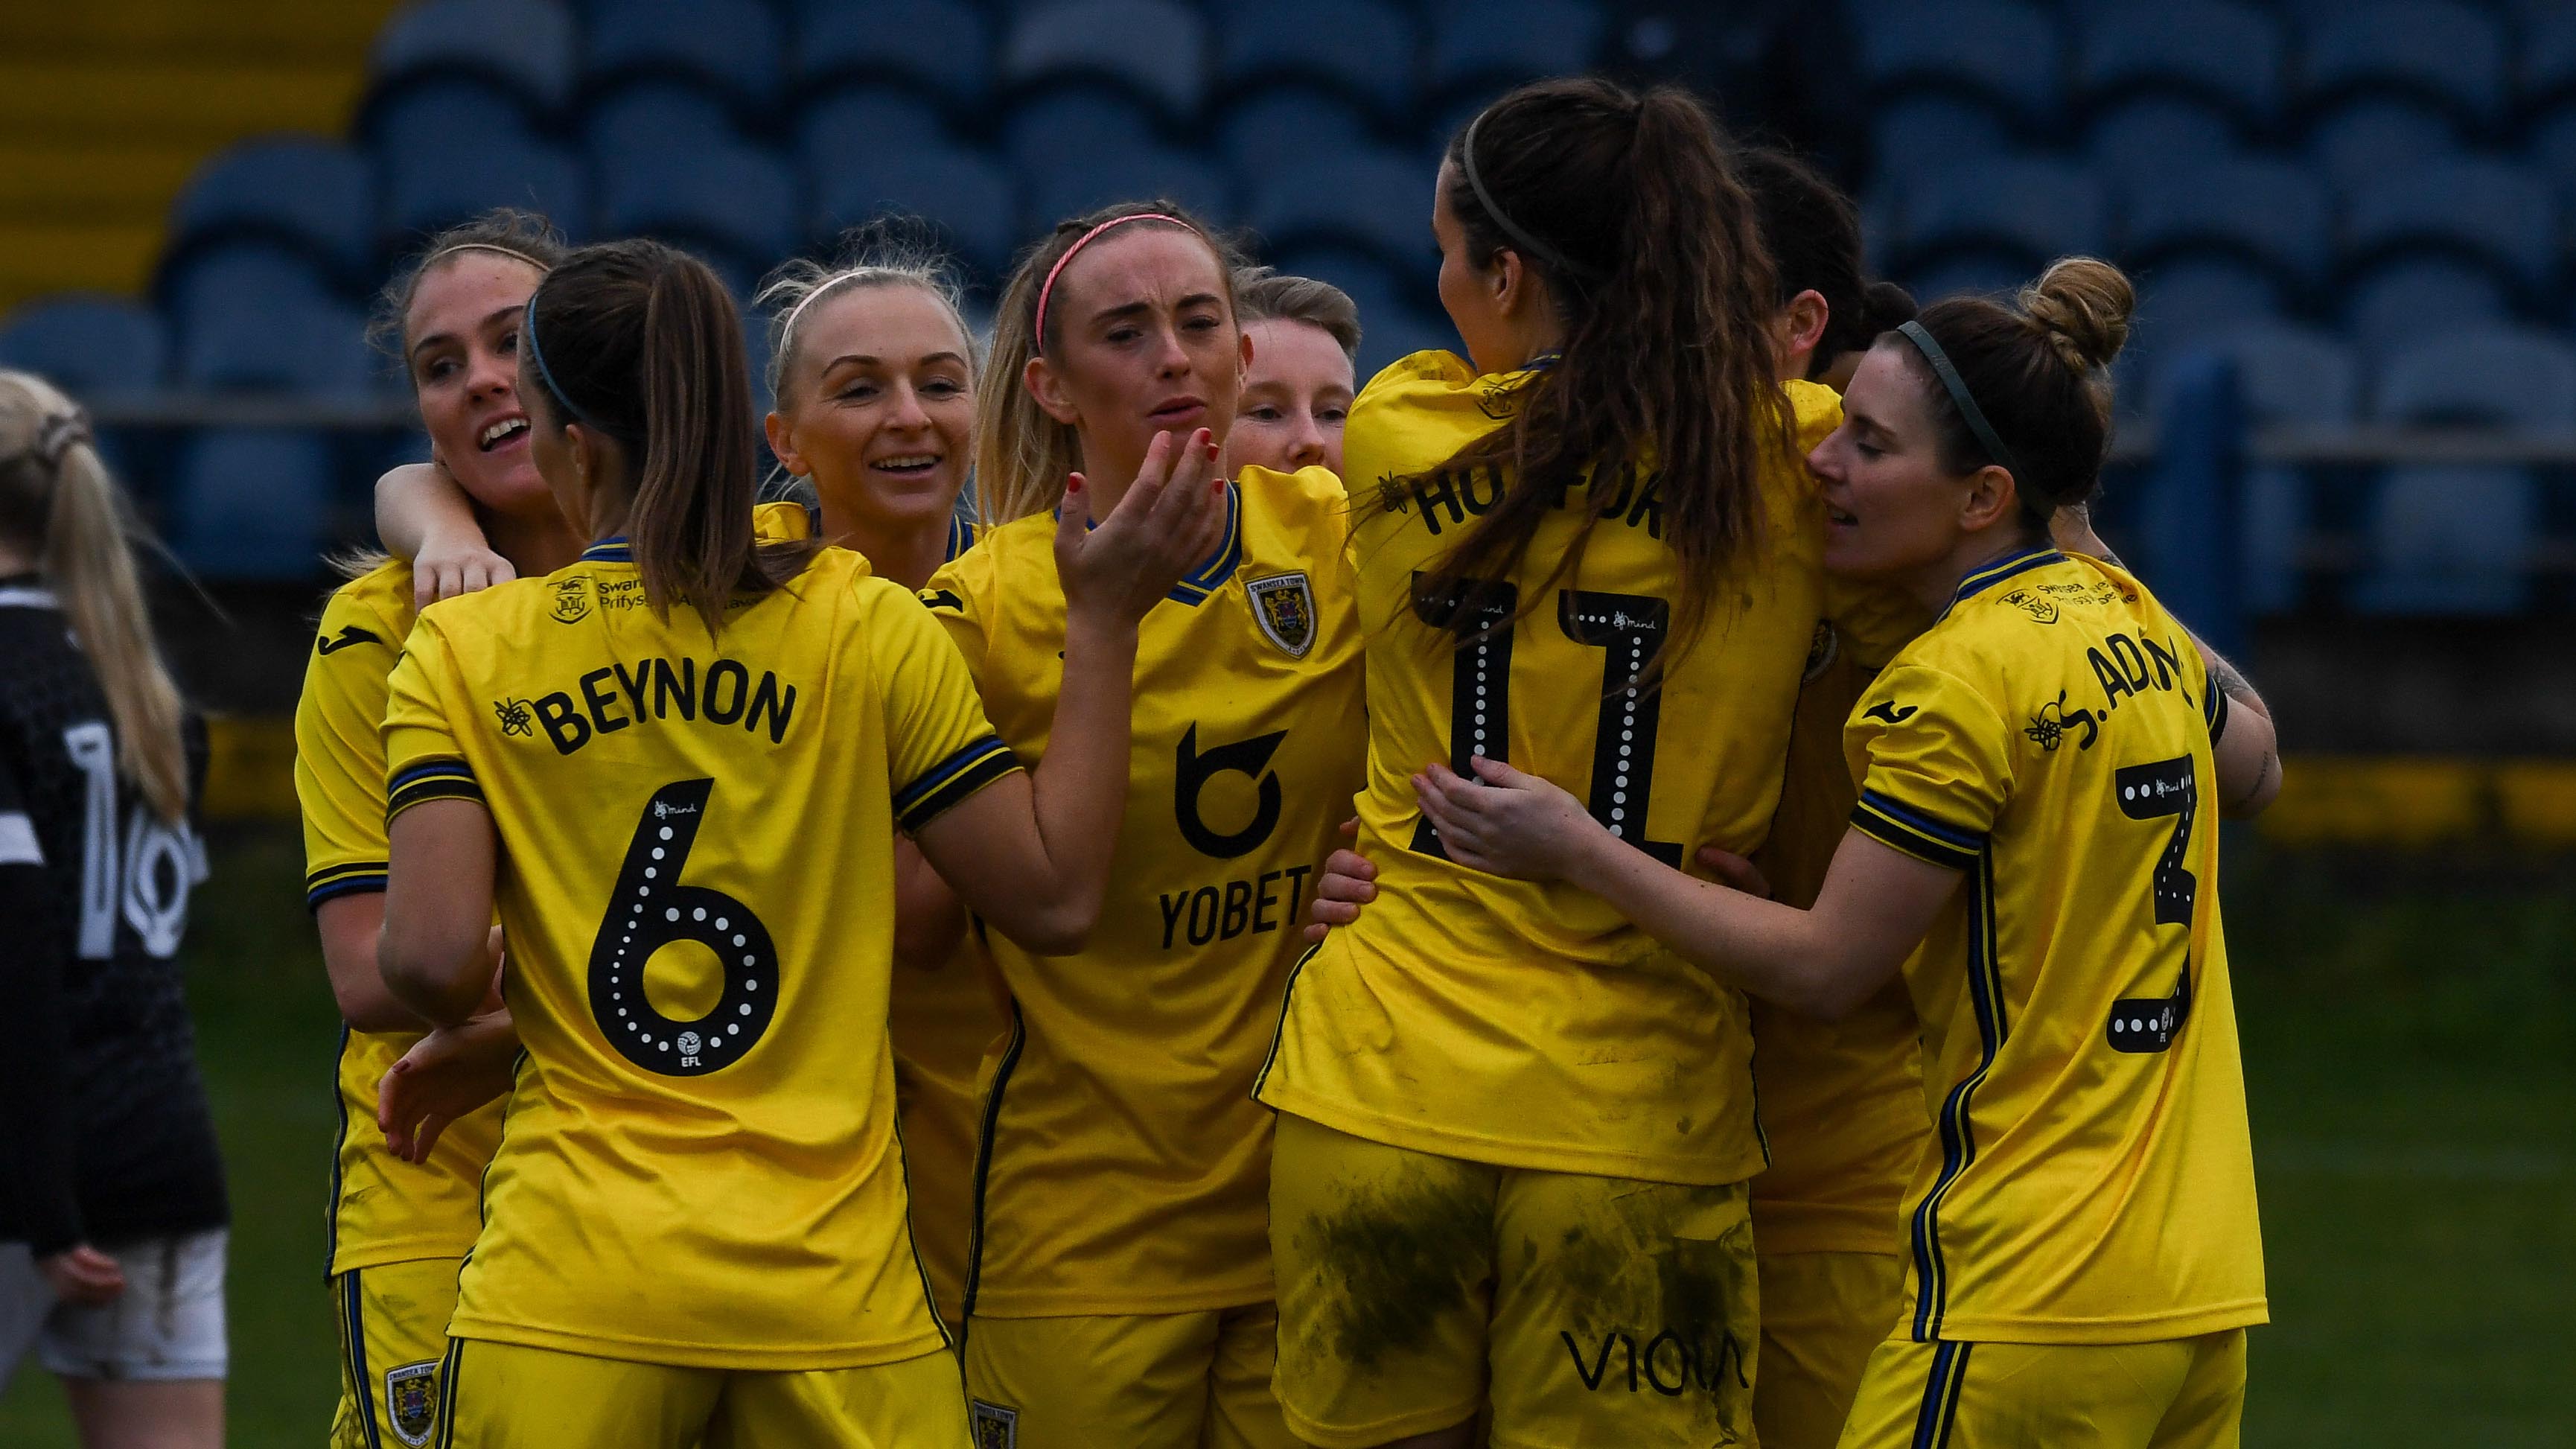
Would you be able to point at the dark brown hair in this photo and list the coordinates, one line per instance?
(2036, 370)
(1666, 294)
(642, 342)
(1813, 231)
(1264, 295)
(500, 232)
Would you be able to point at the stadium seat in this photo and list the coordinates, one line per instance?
(2492, 212)
(430, 187)
(2548, 53)
(524, 47)
(1144, 173)
(1987, 275)
(86, 345)
(2552, 146)
(314, 195)
(447, 112)
(2004, 52)
(2448, 54)
(1480, 48)
(2025, 209)
(1071, 125)
(940, 48)
(1360, 50)
(730, 47)
(1915, 134)
(1272, 127)
(2187, 302)
(2160, 136)
(1151, 49)
(2264, 211)
(650, 115)
(2507, 376)
(252, 317)
(2211, 51)
(734, 203)
(870, 116)
(252, 503)
(1398, 316)
(970, 198)
(2364, 138)
(2293, 375)
(2411, 299)
(1376, 202)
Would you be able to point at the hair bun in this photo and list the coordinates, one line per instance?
(2083, 304)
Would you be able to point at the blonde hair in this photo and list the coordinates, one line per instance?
(884, 254)
(1022, 455)
(57, 498)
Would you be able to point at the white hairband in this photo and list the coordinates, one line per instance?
(434, 258)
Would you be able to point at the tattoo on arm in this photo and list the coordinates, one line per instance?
(2262, 777)
(2230, 683)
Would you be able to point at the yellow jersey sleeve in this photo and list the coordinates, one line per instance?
(339, 745)
(423, 759)
(1938, 766)
(940, 746)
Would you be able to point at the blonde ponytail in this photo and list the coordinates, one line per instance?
(56, 493)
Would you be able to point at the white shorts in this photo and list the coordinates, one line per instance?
(168, 1324)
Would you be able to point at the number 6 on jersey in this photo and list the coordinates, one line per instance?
(650, 909)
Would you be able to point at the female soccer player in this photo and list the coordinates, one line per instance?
(1121, 1292)
(113, 1216)
(2036, 848)
(1514, 1135)
(694, 1226)
(1305, 338)
(399, 1229)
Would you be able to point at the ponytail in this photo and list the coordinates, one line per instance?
(1665, 293)
(57, 497)
(642, 343)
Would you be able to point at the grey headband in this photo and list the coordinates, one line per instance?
(1951, 382)
(545, 374)
(1555, 259)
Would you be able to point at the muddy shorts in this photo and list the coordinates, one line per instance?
(1415, 1290)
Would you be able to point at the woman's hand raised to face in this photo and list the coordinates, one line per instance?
(1171, 519)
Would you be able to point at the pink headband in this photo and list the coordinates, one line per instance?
(1048, 289)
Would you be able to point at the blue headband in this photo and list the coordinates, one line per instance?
(545, 374)
(1951, 382)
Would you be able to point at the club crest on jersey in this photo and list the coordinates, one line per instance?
(990, 1426)
(2032, 604)
(572, 600)
(1284, 606)
(411, 1400)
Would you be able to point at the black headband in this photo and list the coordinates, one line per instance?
(1951, 382)
(1555, 259)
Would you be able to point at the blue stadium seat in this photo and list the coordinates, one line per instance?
(252, 503)
(2024, 209)
(2492, 212)
(2265, 211)
(649, 115)
(443, 113)
(2361, 139)
(1398, 316)
(868, 116)
(2448, 54)
(87, 345)
(252, 317)
(2160, 136)
(1479, 48)
(525, 47)
(2499, 376)
(730, 47)
(1272, 127)
(1987, 275)
(1375, 201)
(2293, 375)
(1072, 126)
(969, 196)
(2548, 53)
(2552, 146)
(2218, 53)
(1361, 50)
(2185, 303)
(941, 48)
(734, 203)
(1143, 174)
(2007, 53)
(1151, 49)
(2408, 300)
(313, 195)
(426, 188)
(1915, 134)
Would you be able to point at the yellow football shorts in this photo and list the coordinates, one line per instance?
(1156, 1381)
(2178, 1393)
(393, 1333)
(1416, 1289)
(1822, 1315)
(507, 1396)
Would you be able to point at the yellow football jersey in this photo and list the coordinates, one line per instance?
(1126, 1167)
(1842, 1102)
(2092, 1179)
(383, 1209)
(1528, 1024)
(699, 1166)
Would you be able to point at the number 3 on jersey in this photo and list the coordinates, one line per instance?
(650, 909)
(1625, 627)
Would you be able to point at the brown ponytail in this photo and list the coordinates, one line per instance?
(642, 342)
(2037, 371)
(1654, 258)
(57, 498)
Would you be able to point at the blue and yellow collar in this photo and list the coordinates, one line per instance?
(1196, 587)
(2000, 570)
(609, 550)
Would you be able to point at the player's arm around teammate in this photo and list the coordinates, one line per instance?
(2036, 844)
